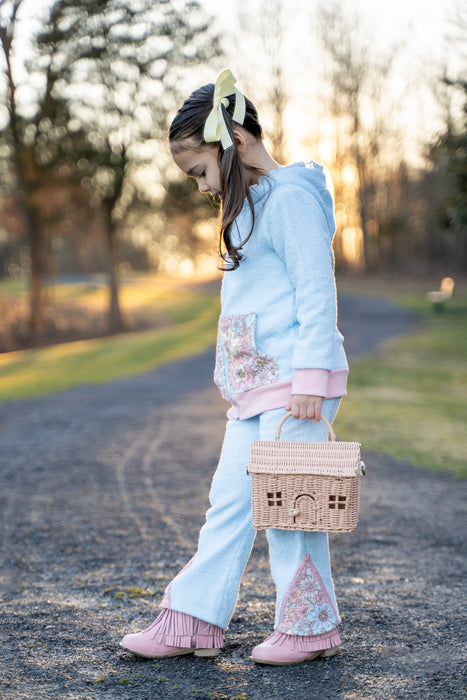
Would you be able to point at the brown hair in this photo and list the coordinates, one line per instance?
(189, 123)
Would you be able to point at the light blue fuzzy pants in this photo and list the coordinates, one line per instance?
(207, 588)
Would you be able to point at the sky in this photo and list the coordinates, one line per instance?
(419, 27)
(388, 18)
(421, 23)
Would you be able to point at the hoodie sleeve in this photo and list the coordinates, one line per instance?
(301, 236)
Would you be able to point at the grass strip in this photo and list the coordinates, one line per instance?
(35, 372)
(410, 399)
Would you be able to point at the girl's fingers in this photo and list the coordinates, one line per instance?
(305, 407)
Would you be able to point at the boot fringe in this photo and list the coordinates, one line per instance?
(178, 629)
(318, 642)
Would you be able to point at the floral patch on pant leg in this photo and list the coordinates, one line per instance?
(307, 608)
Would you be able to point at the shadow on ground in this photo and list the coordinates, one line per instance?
(103, 491)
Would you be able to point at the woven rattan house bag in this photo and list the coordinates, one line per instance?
(312, 486)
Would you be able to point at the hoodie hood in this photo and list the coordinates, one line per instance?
(311, 176)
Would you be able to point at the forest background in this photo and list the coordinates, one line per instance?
(88, 191)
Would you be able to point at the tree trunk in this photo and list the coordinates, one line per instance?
(31, 225)
(368, 256)
(279, 103)
(35, 282)
(460, 262)
(115, 317)
(34, 237)
(362, 192)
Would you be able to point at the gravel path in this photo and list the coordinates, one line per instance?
(102, 492)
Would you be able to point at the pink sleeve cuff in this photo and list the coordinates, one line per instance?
(311, 382)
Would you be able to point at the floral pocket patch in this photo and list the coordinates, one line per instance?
(240, 366)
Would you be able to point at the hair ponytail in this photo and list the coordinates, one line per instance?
(189, 123)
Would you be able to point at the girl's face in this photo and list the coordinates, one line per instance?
(200, 163)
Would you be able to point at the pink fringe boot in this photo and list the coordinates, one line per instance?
(174, 633)
(281, 649)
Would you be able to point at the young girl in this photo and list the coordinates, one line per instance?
(278, 348)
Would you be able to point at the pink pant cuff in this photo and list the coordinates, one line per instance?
(181, 630)
(318, 642)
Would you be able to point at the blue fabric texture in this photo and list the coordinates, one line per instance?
(207, 588)
(279, 307)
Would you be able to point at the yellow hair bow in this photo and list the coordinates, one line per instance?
(215, 128)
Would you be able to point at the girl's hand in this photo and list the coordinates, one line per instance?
(303, 406)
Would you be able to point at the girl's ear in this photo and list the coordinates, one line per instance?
(240, 140)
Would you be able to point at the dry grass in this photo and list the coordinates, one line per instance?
(183, 321)
(79, 311)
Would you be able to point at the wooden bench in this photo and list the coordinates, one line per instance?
(442, 295)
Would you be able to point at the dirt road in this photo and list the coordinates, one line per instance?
(102, 492)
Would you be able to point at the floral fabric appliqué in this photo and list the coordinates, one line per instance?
(240, 366)
(307, 609)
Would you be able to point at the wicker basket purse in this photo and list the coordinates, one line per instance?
(312, 486)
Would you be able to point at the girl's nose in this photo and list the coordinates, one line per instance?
(203, 188)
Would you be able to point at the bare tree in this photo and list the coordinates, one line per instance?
(356, 82)
(116, 66)
(267, 22)
(19, 162)
(448, 152)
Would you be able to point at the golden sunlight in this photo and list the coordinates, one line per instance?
(351, 240)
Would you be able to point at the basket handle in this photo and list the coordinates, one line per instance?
(331, 432)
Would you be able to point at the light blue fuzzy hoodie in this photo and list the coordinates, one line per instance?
(277, 331)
